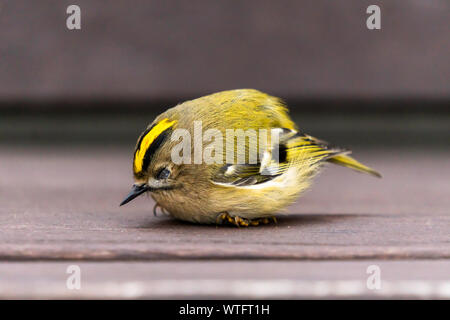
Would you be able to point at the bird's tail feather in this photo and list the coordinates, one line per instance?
(349, 162)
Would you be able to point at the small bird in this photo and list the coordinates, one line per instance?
(226, 190)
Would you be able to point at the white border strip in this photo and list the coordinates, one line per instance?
(256, 289)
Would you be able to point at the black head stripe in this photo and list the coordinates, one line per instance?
(138, 146)
(154, 147)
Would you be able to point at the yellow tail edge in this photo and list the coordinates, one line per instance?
(349, 162)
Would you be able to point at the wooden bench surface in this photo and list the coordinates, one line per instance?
(60, 207)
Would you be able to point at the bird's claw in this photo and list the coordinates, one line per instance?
(242, 222)
(155, 209)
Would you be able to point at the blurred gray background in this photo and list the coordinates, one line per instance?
(133, 59)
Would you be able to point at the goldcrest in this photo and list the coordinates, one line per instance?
(230, 157)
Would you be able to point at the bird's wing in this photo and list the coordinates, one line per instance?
(293, 149)
(290, 149)
(300, 150)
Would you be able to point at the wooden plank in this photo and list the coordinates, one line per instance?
(63, 204)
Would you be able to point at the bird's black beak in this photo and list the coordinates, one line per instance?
(136, 191)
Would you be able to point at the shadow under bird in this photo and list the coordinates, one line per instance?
(226, 191)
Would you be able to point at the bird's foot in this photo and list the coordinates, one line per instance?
(242, 222)
(234, 220)
(257, 222)
(155, 209)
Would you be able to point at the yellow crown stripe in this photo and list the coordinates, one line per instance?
(146, 142)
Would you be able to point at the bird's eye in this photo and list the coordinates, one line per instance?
(163, 174)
